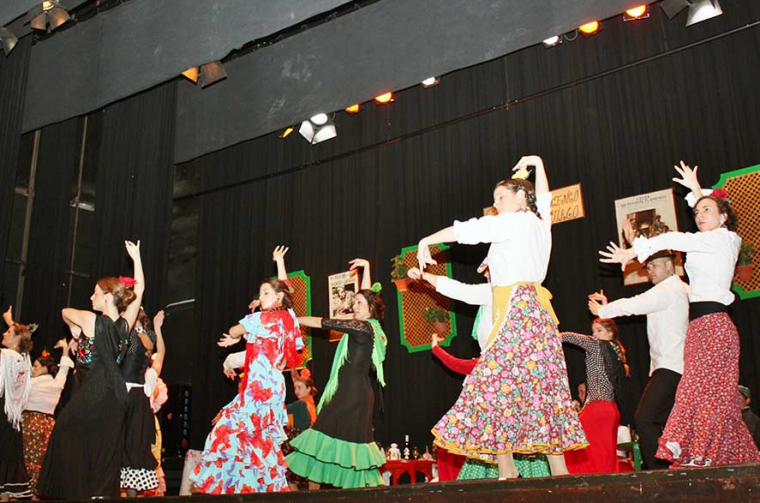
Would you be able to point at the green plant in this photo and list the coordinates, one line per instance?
(400, 269)
(746, 253)
(433, 314)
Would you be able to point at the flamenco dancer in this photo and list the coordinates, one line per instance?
(606, 371)
(704, 428)
(517, 399)
(242, 453)
(15, 384)
(339, 449)
(83, 459)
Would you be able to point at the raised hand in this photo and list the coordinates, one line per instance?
(133, 249)
(522, 165)
(359, 262)
(617, 255)
(62, 344)
(8, 316)
(158, 320)
(628, 231)
(227, 340)
(279, 253)
(436, 339)
(598, 297)
(688, 177)
(414, 273)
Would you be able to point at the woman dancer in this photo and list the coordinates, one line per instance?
(339, 449)
(304, 414)
(705, 426)
(242, 452)
(83, 459)
(517, 399)
(15, 384)
(138, 472)
(48, 381)
(606, 371)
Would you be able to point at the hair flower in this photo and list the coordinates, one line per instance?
(720, 193)
(127, 281)
(376, 288)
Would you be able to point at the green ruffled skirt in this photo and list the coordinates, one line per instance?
(528, 466)
(327, 460)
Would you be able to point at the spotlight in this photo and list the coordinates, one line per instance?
(47, 16)
(703, 10)
(591, 28)
(8, 40)
(207, 74)
(354, 109)
(639, 12)
(384, 98)
(432, 81)
(699, 10)
(552, 41)
(318, 129)
(287, 132)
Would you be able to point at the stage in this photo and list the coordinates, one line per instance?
(739, 483)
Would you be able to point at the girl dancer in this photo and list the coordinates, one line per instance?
(517, 399)
(83, 459)
(339, 449)
(242, 452)
(705, 426)
(606, 371)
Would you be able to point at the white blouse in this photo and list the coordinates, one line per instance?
(476, 295)
(46, 389)
(521, 243)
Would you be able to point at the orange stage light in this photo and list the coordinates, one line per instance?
(589, 28)
(637, 12)
(354, 109)
(384, 98)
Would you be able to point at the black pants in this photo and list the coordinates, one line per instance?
(652, 414)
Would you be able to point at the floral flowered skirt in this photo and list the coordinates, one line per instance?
(705, 426)
(37, 428)
(517, 399)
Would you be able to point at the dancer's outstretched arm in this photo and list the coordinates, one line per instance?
(278, 255)
(130, 314)
(360, 263)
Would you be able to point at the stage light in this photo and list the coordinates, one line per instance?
(591, 28)
(207, 74)
(432, 81)
(384, 98)
(552, 41)
(287, 132)
(319, 131)
(354, 109)
(703, 10)
(8, 40)
(699, 10)
(47, 16)
(639, 12)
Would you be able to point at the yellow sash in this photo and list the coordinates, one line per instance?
(501, 306)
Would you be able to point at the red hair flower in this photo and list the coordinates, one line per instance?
(720, 193)
(127, 281)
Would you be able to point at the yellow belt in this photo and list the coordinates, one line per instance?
(501, 296)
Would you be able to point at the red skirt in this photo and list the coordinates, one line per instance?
(705, 426)
(600, 420)
(449, 464)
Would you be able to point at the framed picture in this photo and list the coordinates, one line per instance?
(650, 214)
(342, 288)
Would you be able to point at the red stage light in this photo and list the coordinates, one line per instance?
(384, 98)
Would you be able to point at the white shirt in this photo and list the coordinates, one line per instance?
(666, 306)
(46, 389)
(710, 260)
(476, 295)
(234, 360)
(521, 243)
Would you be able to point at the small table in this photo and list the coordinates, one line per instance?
(410, 466)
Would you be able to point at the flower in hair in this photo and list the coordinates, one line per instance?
(305, 373)
(521, 174)
(127, 281)
(32, 327)
(720, 193)
(376, 288)
(45, 353)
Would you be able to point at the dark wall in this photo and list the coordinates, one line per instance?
(613, 112)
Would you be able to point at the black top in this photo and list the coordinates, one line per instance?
(348, 416)
(599, 386)
(137, 358)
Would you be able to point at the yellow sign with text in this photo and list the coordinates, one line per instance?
(567, 204)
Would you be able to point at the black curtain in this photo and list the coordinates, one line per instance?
(134, 186)
(13, 74)
(46, 285)
(618, 134)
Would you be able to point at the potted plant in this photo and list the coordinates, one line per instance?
(398, 273)
(438, 318)
(744, 266)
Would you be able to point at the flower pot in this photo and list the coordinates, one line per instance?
(744, 272)
(439, 327)
(402, 284)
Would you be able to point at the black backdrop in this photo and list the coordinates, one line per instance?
(618, 134)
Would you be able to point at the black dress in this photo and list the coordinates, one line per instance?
(138, 464)
(339, 449)
(13, 475)
(83, 458)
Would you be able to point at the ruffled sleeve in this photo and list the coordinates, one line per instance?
(253, 327)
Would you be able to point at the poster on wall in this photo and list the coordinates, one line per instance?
(342, 288)
(650, 214)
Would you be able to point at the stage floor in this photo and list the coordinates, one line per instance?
(735, 484)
